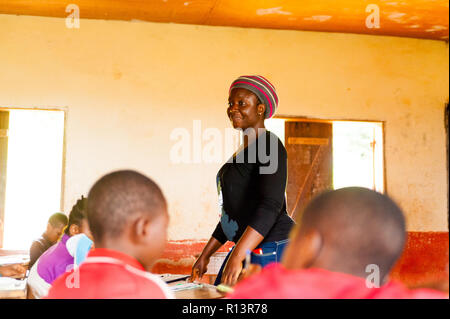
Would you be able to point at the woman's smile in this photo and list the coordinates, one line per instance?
(235, 116)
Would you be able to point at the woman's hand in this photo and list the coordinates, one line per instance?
(253, 269)
(13, 271)
(199, 268)
(201, 264)
(249, 240)
(232, 270)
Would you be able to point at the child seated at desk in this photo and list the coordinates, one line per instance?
(128, 218)
(347, 242)
(63, 256)
(55, 227)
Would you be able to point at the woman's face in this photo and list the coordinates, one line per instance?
(243, 109)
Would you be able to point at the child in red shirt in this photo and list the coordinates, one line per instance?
(127, 215)
(344, 246)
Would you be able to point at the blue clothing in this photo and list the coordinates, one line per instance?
(83, 247)
(272, 253)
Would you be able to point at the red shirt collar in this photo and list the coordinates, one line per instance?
(126, 259)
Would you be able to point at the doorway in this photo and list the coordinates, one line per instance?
(329, 154)
(31, 167)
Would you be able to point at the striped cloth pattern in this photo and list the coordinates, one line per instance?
(262, 88)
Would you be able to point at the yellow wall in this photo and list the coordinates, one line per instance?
(127, 85)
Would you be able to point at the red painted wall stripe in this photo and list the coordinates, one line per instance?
(425, 259)
(180, 255)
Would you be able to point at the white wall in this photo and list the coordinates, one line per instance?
(127, 85)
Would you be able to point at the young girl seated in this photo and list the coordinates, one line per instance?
(64, 255)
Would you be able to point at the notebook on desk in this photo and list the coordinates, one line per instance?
(185, 286)
(11, 288)
(7, 283)
(169, 278)
(14, 259)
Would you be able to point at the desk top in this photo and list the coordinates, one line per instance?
(17, 289)
(199, 293)
(14, 259)
(203, 291)
(13, 288)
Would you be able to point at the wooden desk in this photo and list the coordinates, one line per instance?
(8, 252)
(16, 289)
(199, 293)
(13, 288)
(14, 259)
(205, 292)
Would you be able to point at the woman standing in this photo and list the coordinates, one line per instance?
(251, 186)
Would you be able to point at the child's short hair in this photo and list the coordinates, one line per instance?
(116, 197)
(58, 219)
(77, 214)
(360, 225)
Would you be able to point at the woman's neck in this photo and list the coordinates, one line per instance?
(250, 134)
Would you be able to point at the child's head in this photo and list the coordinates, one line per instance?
(346, 230)
(55, 226)
(128, 212)
(78, 219)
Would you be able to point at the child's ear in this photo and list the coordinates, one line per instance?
(302, 250)
(311, 246)
(74, 230)
(142, 230)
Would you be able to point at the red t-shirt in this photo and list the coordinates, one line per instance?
(109, 274)
(276, 282)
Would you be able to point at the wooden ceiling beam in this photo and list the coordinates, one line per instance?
(407, 18)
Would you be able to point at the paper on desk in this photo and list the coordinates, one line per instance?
(185, 286)
(172, 278)
(7, 283)
(14, 259)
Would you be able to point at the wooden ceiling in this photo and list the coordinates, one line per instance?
(407, 18)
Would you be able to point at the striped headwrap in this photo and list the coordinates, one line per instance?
(263, 89)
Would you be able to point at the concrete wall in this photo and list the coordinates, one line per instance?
(126, 86)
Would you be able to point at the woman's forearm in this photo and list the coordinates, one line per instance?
(211, 247)
(249, 240)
